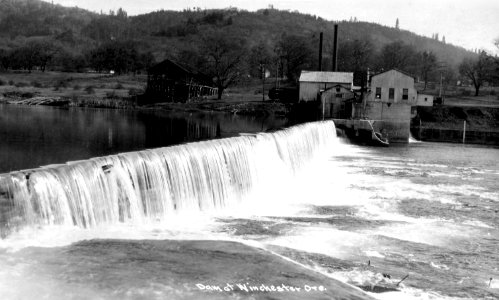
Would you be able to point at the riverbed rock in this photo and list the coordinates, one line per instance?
(172, 269)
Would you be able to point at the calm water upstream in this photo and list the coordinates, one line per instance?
(365, 216)
(34, 136)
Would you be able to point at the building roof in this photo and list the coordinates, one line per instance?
(396, 70)
(334, 87)
(170, 66)
(326, 77)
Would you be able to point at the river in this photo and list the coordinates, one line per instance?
(415, 221)
(34, 136)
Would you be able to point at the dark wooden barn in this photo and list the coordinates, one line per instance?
(169, 81)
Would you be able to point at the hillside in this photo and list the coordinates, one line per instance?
(169, 33)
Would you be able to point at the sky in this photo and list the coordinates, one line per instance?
(469, 24)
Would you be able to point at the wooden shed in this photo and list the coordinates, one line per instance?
(170, 81)
(337, 102)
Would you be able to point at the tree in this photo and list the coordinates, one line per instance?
(296, 54)
(4, 59)
(477, 70)
(398, 55)
(34, 53)
(397, 24)
(428, 65)
(120, 57)
(69, 62)
(443, 39)
(260, 58)
(224, 61)
(121, 14)
(44, 51)
(355, 55)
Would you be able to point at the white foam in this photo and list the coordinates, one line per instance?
(372, 253)
(476, 223)
(439, 266)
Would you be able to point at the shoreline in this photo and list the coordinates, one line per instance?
(251, 108)
(438, 124)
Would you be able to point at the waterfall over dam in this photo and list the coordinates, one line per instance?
(148, 185)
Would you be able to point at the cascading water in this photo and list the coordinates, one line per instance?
(153, 224)
(149, 185)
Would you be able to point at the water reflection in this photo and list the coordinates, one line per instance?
(35, 136)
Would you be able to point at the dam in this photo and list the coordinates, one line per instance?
(297, 209)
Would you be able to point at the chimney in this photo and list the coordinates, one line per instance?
(335, 49)
(320, 52)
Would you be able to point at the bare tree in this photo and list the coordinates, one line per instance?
(224, 58)
(428, 64)
(398, 55)
(356, 55)
(476, 69)
(296, 53)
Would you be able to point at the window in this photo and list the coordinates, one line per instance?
(339, 95)
(405, 94)
(338, 89)
(425, 99)
(378, 93)
(391, 93)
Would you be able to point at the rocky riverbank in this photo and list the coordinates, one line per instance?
(251, 108)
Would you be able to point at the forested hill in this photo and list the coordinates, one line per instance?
(178, 34)
(270, 25)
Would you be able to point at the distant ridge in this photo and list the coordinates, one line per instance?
(165, 32)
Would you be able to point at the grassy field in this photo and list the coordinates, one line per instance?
(100, 86)
(463, 96)
(111, 91)
(76, 86)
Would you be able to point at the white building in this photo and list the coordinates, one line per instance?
(312, 83)
(424, 100)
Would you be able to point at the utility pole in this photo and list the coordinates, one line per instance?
(263, 81)
(441, 79)
(277, 74)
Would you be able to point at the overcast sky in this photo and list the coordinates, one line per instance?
(470, 24)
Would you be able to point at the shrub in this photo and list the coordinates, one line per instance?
(76, 87)
(111, 95)
(61, 84)
(118, 86)
(90, 89)
(492, 92)
(135, 92)
(11, 82)
(2, 82)
(466, 93)
(36, 84)
(21, 84)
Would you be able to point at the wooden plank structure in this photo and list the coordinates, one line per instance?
(170, 81)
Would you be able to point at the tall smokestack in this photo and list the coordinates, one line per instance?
(320, 52)
(335, 49)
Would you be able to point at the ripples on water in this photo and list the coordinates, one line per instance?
(365, 216)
